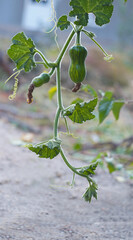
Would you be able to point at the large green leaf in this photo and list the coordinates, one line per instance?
(102, 9)
(82, 15)
(91, 192)
(22, 51)
(63, 22)
(81, 112)
(89, 170)
(48, 149)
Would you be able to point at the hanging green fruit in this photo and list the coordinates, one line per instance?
(77, 69)
(37, 82)
(40, 80)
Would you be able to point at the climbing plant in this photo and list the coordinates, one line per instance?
(23, 51)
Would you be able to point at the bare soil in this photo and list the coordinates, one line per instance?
(36, 202)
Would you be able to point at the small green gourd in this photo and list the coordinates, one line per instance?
(41, 79)
(37, 82)
(77, 69)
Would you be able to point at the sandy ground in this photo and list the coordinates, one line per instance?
(36, 202)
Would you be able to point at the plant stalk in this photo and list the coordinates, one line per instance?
(71, 167)
(78, 38)
(58, 60)
(59, 101)
(56, 123)
(58, 83)
(43, 57)
(105, 53)
(52, 71)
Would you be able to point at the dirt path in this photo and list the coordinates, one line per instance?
(37, 204)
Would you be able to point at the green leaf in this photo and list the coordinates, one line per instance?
(38, 1)
(77, 100)
(48, 149)
(104, 109)
(116, 108)
(102, 9)
(81, 112)
(100, 156)
(110, 164)
(108, 104)
(22, 51)
(105, 106)
(77, 146)
(88, 170)
(111, 167)
(82, 16)
(63, 22)
(82, 19)
(91, 192)
(108, 95)
(52, 91)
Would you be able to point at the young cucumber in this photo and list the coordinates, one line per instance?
(77, 69)
(41, 79)
(37, 82)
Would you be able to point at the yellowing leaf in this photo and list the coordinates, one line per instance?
(52, 91)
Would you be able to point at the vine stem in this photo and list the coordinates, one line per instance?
(58, 60)
(56, 123)
(78, 38)
(52, 71)
(58, 82)
(59, 94)
(67, 127)
(71, 167)
(105, 53)
(43, 57)
(59, 101)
